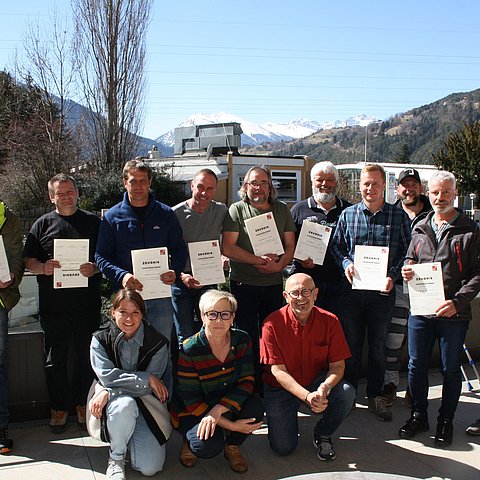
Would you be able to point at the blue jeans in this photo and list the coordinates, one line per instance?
(422, 334)
(252, 408)
(3, 367)
(365, 311)
(281, 408)
(185, 309)
(65, 333)
(128, 430)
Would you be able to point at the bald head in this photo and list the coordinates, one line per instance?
(300, 293)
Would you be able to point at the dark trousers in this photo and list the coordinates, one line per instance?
(254, 305)
(68, 335)
(252, 408)
(366, 312)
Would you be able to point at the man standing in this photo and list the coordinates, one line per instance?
(138, 222)
(371, 222)
(447, 236)
(11, 234)
(68, 316)
(416, 205)
(323, 207)
(201, 218)
(256, 281)
(304, 350)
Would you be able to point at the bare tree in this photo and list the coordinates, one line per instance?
(110, 44)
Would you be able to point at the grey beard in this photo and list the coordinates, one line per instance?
(323, 197)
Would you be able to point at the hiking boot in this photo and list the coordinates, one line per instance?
(377, 406)
(6, 443)
(444, 434)
(326, 452)
(81, 416)
(58, 421)
(474, 428)
(389, 394)
(234, 456)
(415, 424)
(115, 469)
(187, 457)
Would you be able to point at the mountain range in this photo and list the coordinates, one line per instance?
(271, 132)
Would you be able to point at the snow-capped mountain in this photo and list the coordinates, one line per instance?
(254, 134)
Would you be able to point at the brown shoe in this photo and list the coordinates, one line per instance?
(234, 456)
(81, 416)
(187, 457)
(58, 421)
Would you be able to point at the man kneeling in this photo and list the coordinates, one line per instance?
(304, 349)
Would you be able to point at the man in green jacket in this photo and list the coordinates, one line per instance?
(11, 237)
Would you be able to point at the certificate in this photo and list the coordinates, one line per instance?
(263, 234)
(148, 265)
(425, 289)
(206, 261)
(71, 253)
(4, 268)
(370, 267)
(312, 242)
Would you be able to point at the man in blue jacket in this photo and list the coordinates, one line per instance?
(138, 222)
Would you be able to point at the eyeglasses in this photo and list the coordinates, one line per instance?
(213, 315)
(256, 184)
(304, 292)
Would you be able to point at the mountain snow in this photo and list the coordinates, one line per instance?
(254, 134)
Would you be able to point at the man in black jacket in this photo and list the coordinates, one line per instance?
(447, 236)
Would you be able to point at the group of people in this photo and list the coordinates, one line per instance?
(210, 354)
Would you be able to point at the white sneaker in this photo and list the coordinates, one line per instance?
(116, 469)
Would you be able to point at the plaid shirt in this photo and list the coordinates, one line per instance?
(389, 227)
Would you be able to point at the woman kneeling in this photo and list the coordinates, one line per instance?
(129, 359)
(213, 405)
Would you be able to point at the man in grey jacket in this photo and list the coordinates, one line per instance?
(447, 236)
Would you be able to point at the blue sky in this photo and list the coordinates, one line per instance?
(283, 60)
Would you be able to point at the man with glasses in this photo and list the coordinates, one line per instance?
(304, 350)
(256, 281)
(323, 207)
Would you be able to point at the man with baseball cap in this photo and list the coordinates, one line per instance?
(416, 205)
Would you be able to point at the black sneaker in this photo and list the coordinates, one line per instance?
(6, 443)
(444, 435)
(325, 452)
(379, 408)
(415, 424)
(474, 428)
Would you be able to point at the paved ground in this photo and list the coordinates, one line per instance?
(366, 449)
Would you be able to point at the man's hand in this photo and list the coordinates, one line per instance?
(50, 265)
(129, 281)
(245, 425)
(388, 285)
(168, 277)
(88, 269)
(97, 403)
(271, 264)
(407, 271)
(350, 272)
(190, 281)
(446, 309)
(317, 401)
(307, 263)
(7, 284)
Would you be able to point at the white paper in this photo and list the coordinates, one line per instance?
(312, 242)
(71, 253)
(206, 262)
(263, 235)
(370, 265)
(148, 265)
(4, 268)
(425, 289)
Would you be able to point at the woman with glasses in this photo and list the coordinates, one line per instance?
(213, 404)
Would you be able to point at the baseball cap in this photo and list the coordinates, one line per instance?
(409, 172)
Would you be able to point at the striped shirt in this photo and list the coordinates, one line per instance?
(203, 381)
(388, 227)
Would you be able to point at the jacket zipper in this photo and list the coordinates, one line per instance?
(459, 258)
